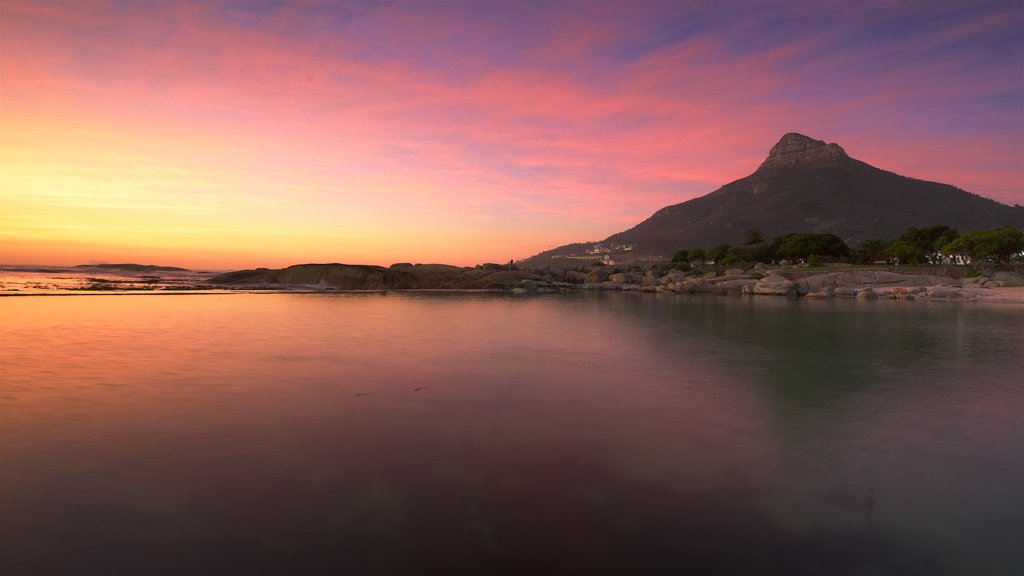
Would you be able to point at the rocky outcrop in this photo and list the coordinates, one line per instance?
(1005, 279)
(774, 285)
(795, 148)
(365, 277)
(859, 284)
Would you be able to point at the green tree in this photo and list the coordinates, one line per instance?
(681, 256)
(697, 256)
(871, 250)
(752, 237)
(999, 245)
(928, 242)
(805, 244)
(719, 251)
(904, 251)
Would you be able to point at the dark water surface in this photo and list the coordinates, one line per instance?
(485, 434)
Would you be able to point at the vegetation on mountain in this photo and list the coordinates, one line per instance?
(929, 245)
(1001, 245)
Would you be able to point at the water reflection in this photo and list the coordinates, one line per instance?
(478, 433)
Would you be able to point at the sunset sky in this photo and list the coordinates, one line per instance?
(242, 134)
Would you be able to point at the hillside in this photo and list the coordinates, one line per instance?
(806, 185)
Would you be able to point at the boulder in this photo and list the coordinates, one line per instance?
(736, 285)
(698, 286)
(823, 294)
(844, 292)
(944, 292)
(651, 278)
(673, 277)
(815, 283)
(774, 285)
(867, 294)
(623, 278)
(1004, 279)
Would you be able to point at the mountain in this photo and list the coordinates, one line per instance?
(805, 185)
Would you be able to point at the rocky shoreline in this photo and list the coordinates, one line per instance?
(857, 284)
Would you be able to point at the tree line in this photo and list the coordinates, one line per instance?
(937, 244)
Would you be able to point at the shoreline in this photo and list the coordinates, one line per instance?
(1012, 295)
(1000, 295)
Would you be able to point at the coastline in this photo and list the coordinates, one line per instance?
(1008, 295)
(1000, 295)
(994, 287)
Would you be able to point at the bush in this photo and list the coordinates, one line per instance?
(682, 266)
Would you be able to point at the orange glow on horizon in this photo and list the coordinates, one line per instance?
(212, 135)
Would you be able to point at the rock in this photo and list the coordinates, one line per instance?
(698, 286)
(734, 272)
(815, 283)
(1004, 279)
(622, 278)
(729, 277)
(944, 292)
(867, 294)
(600, 274)
(736, 285)
(774, 285)
(796, 148)
(364, 277)
(673, 277)
(824, 294)
(485, 279)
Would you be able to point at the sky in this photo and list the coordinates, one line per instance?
(268, 133)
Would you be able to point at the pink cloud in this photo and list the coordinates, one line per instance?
(425, 109)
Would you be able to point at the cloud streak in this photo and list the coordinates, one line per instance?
(513, 123)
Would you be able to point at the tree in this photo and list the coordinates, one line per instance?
(928, 242)
(1000, 245)
(871, 250)
(752, 237)
(681, 256)
(697, 255)
(805, 244)
(903, 251)
(717, 252)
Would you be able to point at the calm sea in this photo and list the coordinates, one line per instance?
(599, 433)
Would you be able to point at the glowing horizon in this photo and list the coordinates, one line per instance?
(239, 134)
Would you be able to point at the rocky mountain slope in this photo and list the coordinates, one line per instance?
(806, 185)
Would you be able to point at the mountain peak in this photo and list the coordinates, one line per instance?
(795, 148)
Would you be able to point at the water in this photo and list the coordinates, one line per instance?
(487, 434)
(99, 279)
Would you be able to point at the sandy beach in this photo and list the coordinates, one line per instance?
(1004, 295)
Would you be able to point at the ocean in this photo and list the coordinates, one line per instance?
(485, 433)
